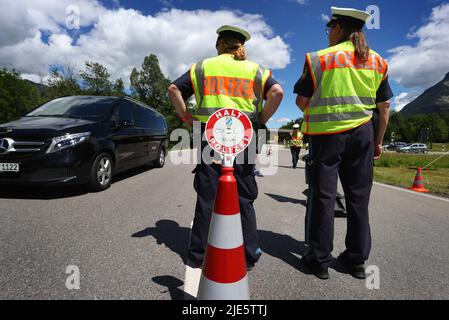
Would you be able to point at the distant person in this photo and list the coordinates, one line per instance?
(338, 91)
(295, 141)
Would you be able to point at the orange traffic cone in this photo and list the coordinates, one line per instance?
(418, 184)
(224, 275)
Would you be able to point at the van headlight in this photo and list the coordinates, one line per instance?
(67, 141)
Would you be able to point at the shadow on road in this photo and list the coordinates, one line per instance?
(283, 199)
(170, 234)
(176, 239)
(283, 247)
(42, 192)
(131, 173)
(173, 285)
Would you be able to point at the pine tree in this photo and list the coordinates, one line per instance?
(150, 86)
(96, 79)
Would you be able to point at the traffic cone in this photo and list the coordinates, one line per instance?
(224, 275)
(418, 184)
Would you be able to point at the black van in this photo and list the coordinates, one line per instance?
(81, 140)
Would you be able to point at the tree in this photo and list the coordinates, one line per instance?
(289, 126)
(17, 96)
(96, 79)
(150, 86)
(438, 128)
(119, 88)
(62, 83)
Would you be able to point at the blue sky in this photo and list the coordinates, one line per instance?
(290, 28)
(302, 28)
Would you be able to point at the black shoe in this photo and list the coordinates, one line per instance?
(355, 270)
(249, 267)
(316, 270)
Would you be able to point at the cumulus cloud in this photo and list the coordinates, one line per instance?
(404, 99)
(121, 38)
(425, 63)
(325, 17)
(283, 120)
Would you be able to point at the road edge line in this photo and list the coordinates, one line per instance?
(405, 190)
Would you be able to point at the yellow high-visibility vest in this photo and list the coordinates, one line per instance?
(223, 82)
(344, 89)
(296, 140)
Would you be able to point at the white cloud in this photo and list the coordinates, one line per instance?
(283, 120)
(424, 64)
(121, 38)
(301, 1)
(325, 17)
(404, 99)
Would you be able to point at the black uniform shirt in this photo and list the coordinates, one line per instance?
(185, 85)
(304, 87)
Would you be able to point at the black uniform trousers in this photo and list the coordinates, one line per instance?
(295, 155)
(206, 184)
(349, 155)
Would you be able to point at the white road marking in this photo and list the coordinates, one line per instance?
(412, 192)
(407, 191)
(192, 277)
(192, 281)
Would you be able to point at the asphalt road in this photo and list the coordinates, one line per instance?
(128, 242)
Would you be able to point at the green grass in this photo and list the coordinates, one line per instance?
(399, 169)
(435, 180)
(436, 147)
(402, 160)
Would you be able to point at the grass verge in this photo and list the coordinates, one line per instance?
(435, 180)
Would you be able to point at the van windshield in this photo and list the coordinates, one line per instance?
(91, 108)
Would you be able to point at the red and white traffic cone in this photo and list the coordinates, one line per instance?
(224, 275)
(418, 184)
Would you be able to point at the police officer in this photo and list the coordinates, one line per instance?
(338, 91)
(227, 80)
(295, 143)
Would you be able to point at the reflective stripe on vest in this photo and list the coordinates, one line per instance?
(296, 140)
(344, 89)
(242, 93)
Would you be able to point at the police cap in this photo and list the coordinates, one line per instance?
(227, 31)
(355, 17)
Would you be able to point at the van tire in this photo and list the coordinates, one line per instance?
(159, 162)
(101, 173)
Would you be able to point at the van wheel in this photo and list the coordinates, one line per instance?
(101, 173)
(160, 161)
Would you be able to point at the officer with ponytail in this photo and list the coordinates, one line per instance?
(228, 80)
(338, 92)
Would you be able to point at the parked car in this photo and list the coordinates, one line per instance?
(396, 146)
(81, 140)
(414, 148)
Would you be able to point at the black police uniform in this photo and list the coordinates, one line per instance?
(350, 156)
(206, 184)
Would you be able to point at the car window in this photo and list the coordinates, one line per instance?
(145, 118)
(85, 107)
(125, 111)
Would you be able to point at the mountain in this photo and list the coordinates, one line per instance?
(433, 100)
(39, 86)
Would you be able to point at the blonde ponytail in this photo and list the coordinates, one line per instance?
(232, 46)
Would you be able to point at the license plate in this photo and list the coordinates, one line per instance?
(9, 167)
